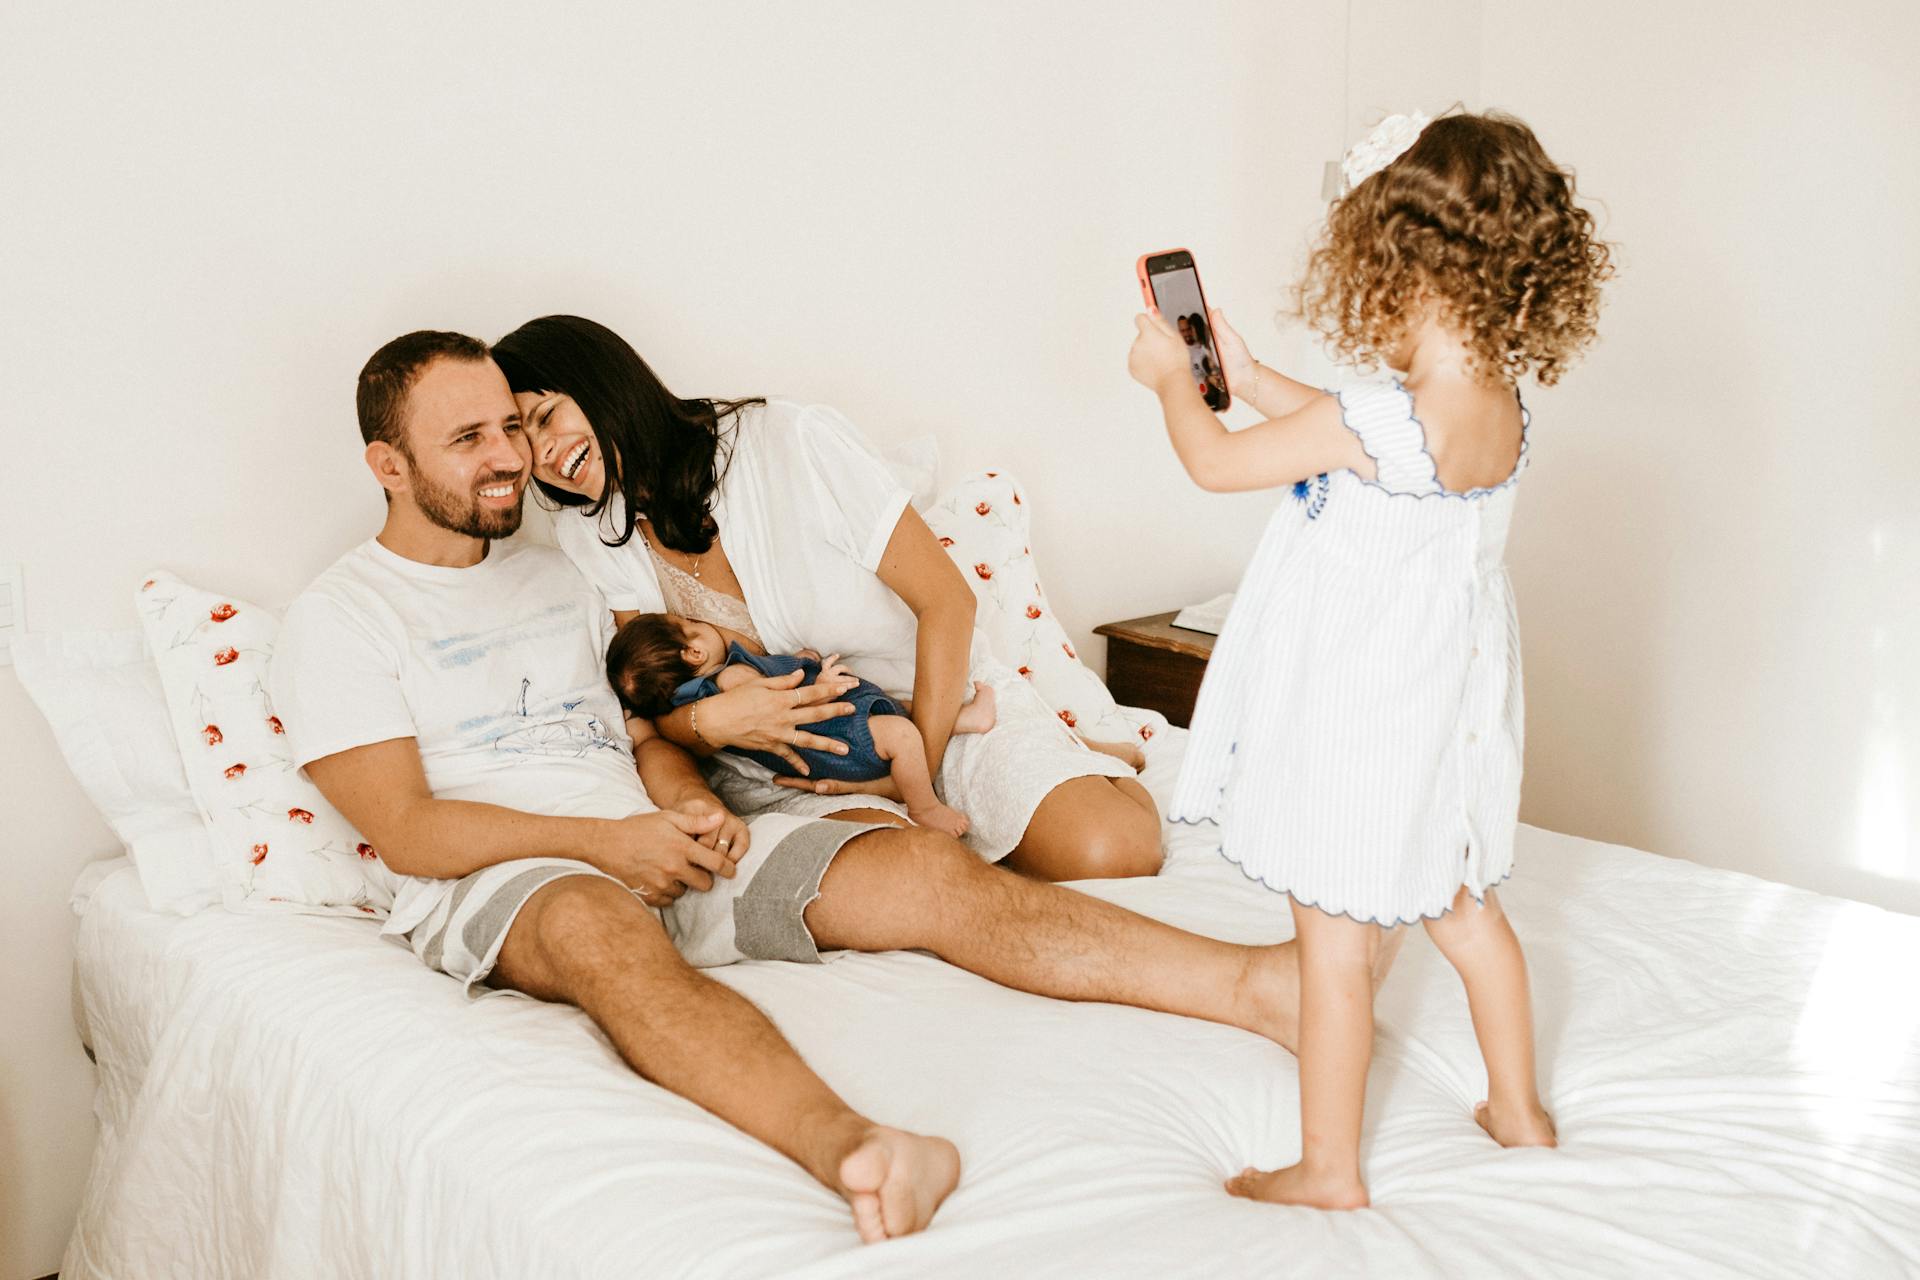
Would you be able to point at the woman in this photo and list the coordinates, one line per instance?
(776, 519)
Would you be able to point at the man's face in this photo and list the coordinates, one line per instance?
(1186, 331)
(466, 457)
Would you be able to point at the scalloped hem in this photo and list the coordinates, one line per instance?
(1479, 898)
(1439, 490)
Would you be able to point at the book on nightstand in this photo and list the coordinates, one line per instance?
(1208, 617)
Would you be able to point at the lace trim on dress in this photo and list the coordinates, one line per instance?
(689, 597)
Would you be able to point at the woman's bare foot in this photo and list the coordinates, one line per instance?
(895, 1180)
(982, 713)
(940, 817)
(1295, 1185)
(1517, 1126)
(1125, 752)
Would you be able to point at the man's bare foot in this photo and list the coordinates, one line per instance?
(1126, 752)
(895, 1180)
(1517, 1126)
(982, 713)
(1295, 1185)
(940, 817)
(1269, 994)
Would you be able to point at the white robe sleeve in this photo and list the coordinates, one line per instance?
(860, 498)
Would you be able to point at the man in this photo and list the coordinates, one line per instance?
(448, 695)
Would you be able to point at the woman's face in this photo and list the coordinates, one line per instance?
(565, 453)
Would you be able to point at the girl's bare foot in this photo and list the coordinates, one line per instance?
(940, 817)
(895, 1180)
(1296, 1185)
(981, 714)
(1126, 752)
(1517, 1126)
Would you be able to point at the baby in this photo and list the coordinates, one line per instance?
(659, 661)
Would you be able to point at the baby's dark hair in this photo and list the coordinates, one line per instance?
(645, 666)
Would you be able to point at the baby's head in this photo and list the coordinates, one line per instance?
(655, 653)
(1473, 221)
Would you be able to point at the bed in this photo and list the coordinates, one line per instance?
(1734, 1066)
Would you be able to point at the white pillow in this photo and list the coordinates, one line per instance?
(100, 691)
(277, 843)
(983, 524)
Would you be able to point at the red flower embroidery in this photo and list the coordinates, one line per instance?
(1033, 611)
(981, 509)
(1016, 498)
(369, 910)
(224, 656)
(221, 612)
(991, 475)
(1068, 717)
(1070, 652)
(259, 855)
(1027, 672)
(946, 542)
(300, 815)
(1146, 734)
(983, 570)
(147, 585)
(213, 735)
(273, 723)
(365, 850)
(236, 770)
(1026, 551)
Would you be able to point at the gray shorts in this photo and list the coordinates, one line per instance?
(757, 915)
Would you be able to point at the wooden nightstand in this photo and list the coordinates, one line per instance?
(1152, 663)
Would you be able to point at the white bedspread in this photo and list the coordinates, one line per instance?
(1734, 1066)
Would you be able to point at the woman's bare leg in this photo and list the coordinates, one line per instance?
(1480, 944)
(1091, 829)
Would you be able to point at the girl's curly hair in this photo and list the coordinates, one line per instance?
(1477, 217)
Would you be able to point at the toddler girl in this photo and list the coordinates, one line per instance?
(659, 661)
(1358, 734)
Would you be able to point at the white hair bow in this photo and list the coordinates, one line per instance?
(1387, 143)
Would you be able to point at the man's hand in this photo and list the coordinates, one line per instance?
(660, 854)
(731, 838)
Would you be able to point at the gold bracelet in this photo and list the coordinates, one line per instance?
(693, 718)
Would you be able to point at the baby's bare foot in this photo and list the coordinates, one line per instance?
(895, 1180)
(1517, 1126)
(1295, 1185)
(940, 817)
(982, 713)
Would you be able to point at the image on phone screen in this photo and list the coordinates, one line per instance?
(1176, 291)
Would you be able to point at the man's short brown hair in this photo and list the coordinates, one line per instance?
(381, 397)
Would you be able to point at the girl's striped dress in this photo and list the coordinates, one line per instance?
(1358, 735)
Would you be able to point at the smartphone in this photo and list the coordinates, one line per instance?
(1171, 285)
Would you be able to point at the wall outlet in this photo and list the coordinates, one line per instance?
(13, 610)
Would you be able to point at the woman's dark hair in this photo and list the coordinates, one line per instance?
(661, 453)
(1201, 333)
(645, 666)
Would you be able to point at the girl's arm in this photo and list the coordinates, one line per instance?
(1303, 443)
(1253, 383)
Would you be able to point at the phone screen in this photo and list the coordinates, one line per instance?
(1176, 292)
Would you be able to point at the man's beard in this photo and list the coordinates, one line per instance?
(461, 513)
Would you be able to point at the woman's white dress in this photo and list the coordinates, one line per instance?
(1358, 733)
(806, 508)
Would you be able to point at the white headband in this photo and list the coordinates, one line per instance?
(1387, 143)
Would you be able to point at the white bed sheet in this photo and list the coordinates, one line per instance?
(1734, 1066)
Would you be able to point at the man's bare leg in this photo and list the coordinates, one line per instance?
(585, 941)
(895, 889)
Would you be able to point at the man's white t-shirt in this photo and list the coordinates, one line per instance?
(497, 671)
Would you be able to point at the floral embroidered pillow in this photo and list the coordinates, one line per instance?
(277, 843)
(982, 523)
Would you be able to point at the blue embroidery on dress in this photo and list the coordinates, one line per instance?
(1314, 493)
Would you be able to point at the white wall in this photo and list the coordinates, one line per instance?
(1718, 547)
(214, 213)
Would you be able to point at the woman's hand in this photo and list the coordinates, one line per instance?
(765, 714)
(1235, 360)
(882, 786)
(1158, 359)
